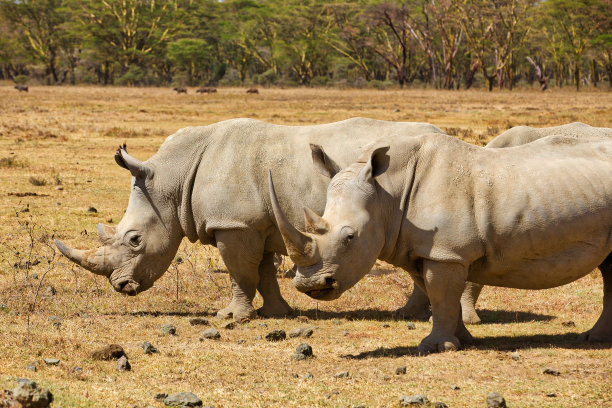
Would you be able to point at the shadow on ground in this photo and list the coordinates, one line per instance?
(497, 343)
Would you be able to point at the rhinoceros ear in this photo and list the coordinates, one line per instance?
(313, 223)
(324, 164)
(135, 166)
(376, 165)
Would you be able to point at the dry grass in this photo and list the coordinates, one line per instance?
(67, 136)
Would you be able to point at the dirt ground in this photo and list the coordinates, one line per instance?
(58, 179)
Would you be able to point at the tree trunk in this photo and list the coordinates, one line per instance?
(577, 77)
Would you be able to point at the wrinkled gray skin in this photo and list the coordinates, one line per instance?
(532, 217)
(208, 184)
(418, 303)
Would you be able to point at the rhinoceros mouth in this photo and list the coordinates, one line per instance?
(320, 293)
(128, 287)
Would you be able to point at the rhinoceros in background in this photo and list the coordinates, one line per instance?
(533, 217)
(418, 303)
(208, 183)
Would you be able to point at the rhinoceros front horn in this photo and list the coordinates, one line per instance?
(300, 247)
(91, 260)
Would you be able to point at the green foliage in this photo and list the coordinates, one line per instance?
(445, 44)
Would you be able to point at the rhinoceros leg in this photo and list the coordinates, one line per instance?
(468, 302)
(274, 305)
(444, 283)
(242, 253)
(417, 306)
(602, 330)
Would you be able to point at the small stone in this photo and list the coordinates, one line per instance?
(301, 332)
(386, 326)
(211, 333)
(110, 352)
(440, 405)
(160, 396)
(568, 323)
(198, 321)
(241, 341)
(386, 378)
(495, 400)
(59, 188)
(50, 291)
(342, 374)
(32, 366)
(400, 370)
(28, 395)
(57, 325)
(258, 337)
(148, 348)
(262, 325)
(295, 375)
(337, 322)
(308, 376)
(51, 361)
(229, 326)
(302, 319)
(345, 333)
(305, 349)
(359, 406)
(551, 394)
(276, 335)
(183, 399)
(77, 370)
(168, 329)
(299, 356)
(396, 110)
(419, 399)
(411, 326)
(34, 276)
(54, 319)
(514, 356)
(551, 371)
(123, 364)
(92, 210)
(455, 387)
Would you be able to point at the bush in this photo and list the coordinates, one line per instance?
(21, 79)
(133, 76)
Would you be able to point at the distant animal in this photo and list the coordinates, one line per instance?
(21, 88)
(206, 90)
(534, 216)
(252, 91)
(418, 303)
(180, 90)
(208, 183)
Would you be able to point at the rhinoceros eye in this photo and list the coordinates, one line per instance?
(134, 240)
(348, 233)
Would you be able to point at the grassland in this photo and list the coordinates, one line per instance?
(58, 143)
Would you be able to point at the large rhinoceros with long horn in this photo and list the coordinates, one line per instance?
(418, 303)
(533, 217)
(208, 184)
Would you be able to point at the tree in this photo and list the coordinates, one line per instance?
(191, 55)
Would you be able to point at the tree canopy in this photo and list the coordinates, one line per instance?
(446, 44)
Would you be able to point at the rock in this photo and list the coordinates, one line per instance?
(359, 406)
(34, 276)
(551, 371)
(455, 387)
(342, 374)
(400, 370)
(304, 349)
(241, 341)
(569, 323)
(386, 378)
(123, 364)
(149, 348)
(514, 356)
(258, 337)
(92, 210)
(495, 400)
(345, 333)
(440, 405)
(59, 188)
(276, 335)
(411, 326)
(198, 321)
(551, 394)
(57, 325)
(50, 291)
(386, 326)
(229, 326)
(308, 376)
(262, 325)
(183, 399)
(301, 332)
(302, 319)
(211, 333)
(110, 352)
(160, 396)
(419, 399)
(168, 329)
(54, 319)
(51, 361)
(29, 395)
(396, 110)
(298, 356)
(32, 366)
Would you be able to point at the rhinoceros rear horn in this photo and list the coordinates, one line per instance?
(135, 166)
(91, 260)
(105, 233)
(300, 247)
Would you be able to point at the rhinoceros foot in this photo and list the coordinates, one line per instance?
(279, 308)
(596, 335)
(436, 343)
(237, 311)
(470, 316)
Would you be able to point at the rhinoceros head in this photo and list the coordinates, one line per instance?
(339, 248)
(139, 250)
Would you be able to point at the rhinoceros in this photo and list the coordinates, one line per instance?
(418, 303)
(533, 217)
(208, 183)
